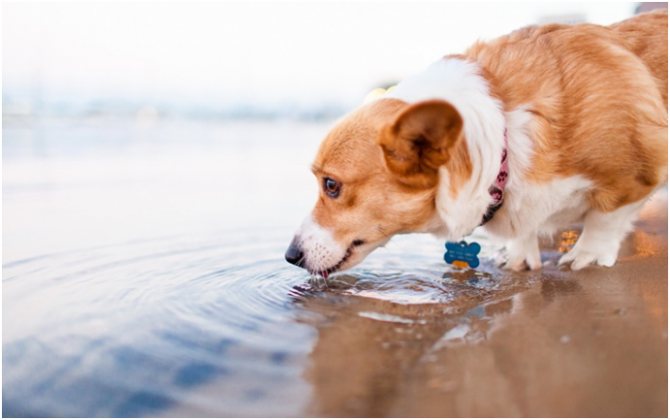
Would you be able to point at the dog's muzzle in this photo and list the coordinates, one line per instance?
(294, 254)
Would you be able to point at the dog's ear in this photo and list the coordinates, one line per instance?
(419, 141)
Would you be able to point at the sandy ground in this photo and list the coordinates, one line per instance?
(555, 343)
(550, 343)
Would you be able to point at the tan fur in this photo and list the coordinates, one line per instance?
(374, 203)
(599, 95)
(599, 100)
(420, 141)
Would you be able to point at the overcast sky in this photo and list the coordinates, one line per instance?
(247, 51)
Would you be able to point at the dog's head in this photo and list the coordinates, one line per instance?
(378, 172)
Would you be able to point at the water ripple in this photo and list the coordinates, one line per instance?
(190, 324)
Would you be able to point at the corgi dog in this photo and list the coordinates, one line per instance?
(523, 135)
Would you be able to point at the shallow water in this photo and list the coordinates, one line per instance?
(126, 330)
(187, 308)
(141, 328)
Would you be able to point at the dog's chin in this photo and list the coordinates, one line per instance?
(353, 256)
(350, 258)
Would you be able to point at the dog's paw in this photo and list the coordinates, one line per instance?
(579, 257)
(519, 255)
(518, 263)
(499, 257)
(521, 264)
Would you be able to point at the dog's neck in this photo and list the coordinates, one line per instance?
(460, 83)
(497, 189)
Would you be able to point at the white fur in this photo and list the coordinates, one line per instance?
(535, 209)
(541, 207)
(530, 209)
(459, 82)
(321, 251)
(519, 123)
(601, 238)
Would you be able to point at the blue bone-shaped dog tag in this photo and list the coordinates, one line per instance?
(461, 254)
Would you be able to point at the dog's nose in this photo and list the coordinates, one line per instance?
(294, 254)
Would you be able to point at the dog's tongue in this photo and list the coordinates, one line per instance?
(325, 275)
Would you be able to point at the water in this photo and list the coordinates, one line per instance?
(72, 184)
(128, 330)
(201, 325)
(143, 275)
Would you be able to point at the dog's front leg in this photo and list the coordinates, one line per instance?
(523, 252)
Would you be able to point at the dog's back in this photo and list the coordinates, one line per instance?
(599, 100)
(646, 35)
(582, 110)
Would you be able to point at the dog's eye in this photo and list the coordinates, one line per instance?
(331, 187)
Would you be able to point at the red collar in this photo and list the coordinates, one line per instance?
(496, 190)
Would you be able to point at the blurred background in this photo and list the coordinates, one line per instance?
(131, 120)
(156, 162)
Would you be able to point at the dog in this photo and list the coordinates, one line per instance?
(537, 130)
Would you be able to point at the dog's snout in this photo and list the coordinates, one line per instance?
(294, 254)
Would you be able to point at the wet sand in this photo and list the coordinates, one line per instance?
(555, 343)
(552, 343)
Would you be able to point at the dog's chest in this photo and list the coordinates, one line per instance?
(572, 212)
(549, 206)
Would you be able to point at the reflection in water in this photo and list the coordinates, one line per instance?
(493, 343)
(219, 325)
(135, 329)
(552, 288)
(370, 340)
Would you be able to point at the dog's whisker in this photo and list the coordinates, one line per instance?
(300, 261)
